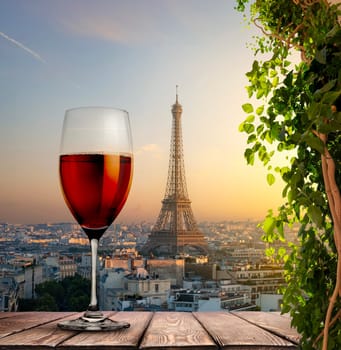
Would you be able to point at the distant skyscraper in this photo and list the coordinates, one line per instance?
(176, 231)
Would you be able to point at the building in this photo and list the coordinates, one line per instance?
(84, 267)
(152, 289)
(263, 279)
(60, 266)
(172, 269)
(33, 275)
(248, 254)
(67, 267)
(111, 287)
(232, 297)
(26, 272)
(270, 302)
(176, 231)
(8, 294)
(124, 290)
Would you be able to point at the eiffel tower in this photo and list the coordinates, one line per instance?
(176, 231)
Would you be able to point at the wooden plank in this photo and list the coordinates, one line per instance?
(232, 332)
(127, 338)
(44, 336)
(174, 330)
(26, 320)
(7, 314)
(273, 322)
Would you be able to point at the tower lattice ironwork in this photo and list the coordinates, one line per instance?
(176, 231)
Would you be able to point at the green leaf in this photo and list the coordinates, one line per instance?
(314, 110)
(314, 142)
(326, 87)
(249, 90)
(273, 73)
(270, 178)
(269, 251)
(337, 117)
(281, 252)
(331, 96)
(247, 107)
(333, 32)
(275, 81)
(268, 225)
(260, 128)
(260, 93)
(252, 138)
(280, 147)
(249, 156)
(291, 195)
(315, 215)
(259, 110)
(268, 137)
(288, 80)
(321, 56)
(250, 118)
(284, 170)
(249, 128)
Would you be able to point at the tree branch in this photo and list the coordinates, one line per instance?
(334, 201)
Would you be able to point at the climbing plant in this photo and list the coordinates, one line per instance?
(295, 108)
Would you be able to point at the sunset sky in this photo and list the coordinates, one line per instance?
(55, 55)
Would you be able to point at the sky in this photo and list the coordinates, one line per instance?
(56, 55)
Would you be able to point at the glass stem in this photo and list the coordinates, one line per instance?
(93, 301)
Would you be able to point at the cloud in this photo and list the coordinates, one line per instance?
(118, 22)
(23, 47)
(100, 27)
(151, 148)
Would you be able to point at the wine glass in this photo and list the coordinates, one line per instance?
(95, 168)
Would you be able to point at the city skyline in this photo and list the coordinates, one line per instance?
(128, 55)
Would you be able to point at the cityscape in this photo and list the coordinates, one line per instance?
(236, 275)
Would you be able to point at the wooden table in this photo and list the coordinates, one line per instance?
(152, 330)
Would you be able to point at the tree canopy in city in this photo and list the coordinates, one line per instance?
(69, 294)
(294, 108)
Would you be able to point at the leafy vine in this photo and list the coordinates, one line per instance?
(301, 114)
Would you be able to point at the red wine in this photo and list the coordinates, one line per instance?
(95, 188)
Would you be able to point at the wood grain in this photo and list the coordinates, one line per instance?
(127, 338)
(26, 320)
(174, 330)
(232, 332)
(8, 314)
(273, 322)
(40, 336)
(160, 330)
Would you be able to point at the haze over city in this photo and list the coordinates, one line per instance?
(130, 55)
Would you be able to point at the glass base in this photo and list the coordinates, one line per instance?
(93, 323)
